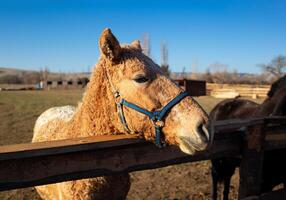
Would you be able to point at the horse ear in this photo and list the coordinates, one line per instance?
(109, 45)
(136, 44)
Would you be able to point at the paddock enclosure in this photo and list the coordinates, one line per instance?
(243, 90)
(25, 165)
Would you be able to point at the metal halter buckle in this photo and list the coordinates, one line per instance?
(158, 123)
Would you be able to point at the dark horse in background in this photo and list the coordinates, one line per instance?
(274, 169)
(223, 168)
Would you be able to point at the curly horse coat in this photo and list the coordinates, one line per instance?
(139, 81)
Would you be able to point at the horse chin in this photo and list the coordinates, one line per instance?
(187, 146)
(187, 149)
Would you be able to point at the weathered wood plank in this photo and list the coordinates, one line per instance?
(250, 173)
(276, 119)
(274, 195)
(238, 124)
(277, 195)
(27, 165)
(275, 137)
(251, 166)
(65, 146)
(54, 166)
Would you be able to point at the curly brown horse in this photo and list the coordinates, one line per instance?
(122, 72)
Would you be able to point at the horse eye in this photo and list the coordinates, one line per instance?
(141, 79)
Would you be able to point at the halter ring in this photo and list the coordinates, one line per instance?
(158, 123)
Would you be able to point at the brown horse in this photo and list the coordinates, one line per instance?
(123, 72)
(223, 168)
(274, 162)
(273, 168)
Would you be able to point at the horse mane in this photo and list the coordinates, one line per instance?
(276, 86)
(280, 107)
(275, 103)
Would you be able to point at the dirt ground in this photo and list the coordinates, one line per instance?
(189, 181)
(185, 181)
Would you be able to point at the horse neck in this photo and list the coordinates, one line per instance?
(97, 115)
(280, 103)
(273, 104)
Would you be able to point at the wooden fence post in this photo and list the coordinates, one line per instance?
(252, 163)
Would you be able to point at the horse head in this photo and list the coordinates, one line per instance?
(134, 78)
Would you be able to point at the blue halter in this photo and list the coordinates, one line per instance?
(155, 116)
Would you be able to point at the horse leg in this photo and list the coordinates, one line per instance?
(226, 187)
(214, 184)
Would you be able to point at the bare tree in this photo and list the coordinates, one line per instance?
(31, 77)
(146, 45)
(11, 79)
(164, 59)
(194, 74)
(276, 66)
(219, 72)
(45, 74)
(208, 76)
(184, 74)
(218, 67)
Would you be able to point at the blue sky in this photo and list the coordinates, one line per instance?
(63, 35)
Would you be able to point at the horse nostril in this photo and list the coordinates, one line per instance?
(203, 132)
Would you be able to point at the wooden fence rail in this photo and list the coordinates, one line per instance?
(244, 90)
(43, 163)
(25, 165)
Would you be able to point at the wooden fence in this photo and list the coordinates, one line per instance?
(243, 90)
(25, 165)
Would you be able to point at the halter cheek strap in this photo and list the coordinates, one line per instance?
(155, 116)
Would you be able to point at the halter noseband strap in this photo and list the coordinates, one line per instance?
(155, 116)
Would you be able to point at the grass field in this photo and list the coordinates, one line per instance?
(19, 110)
